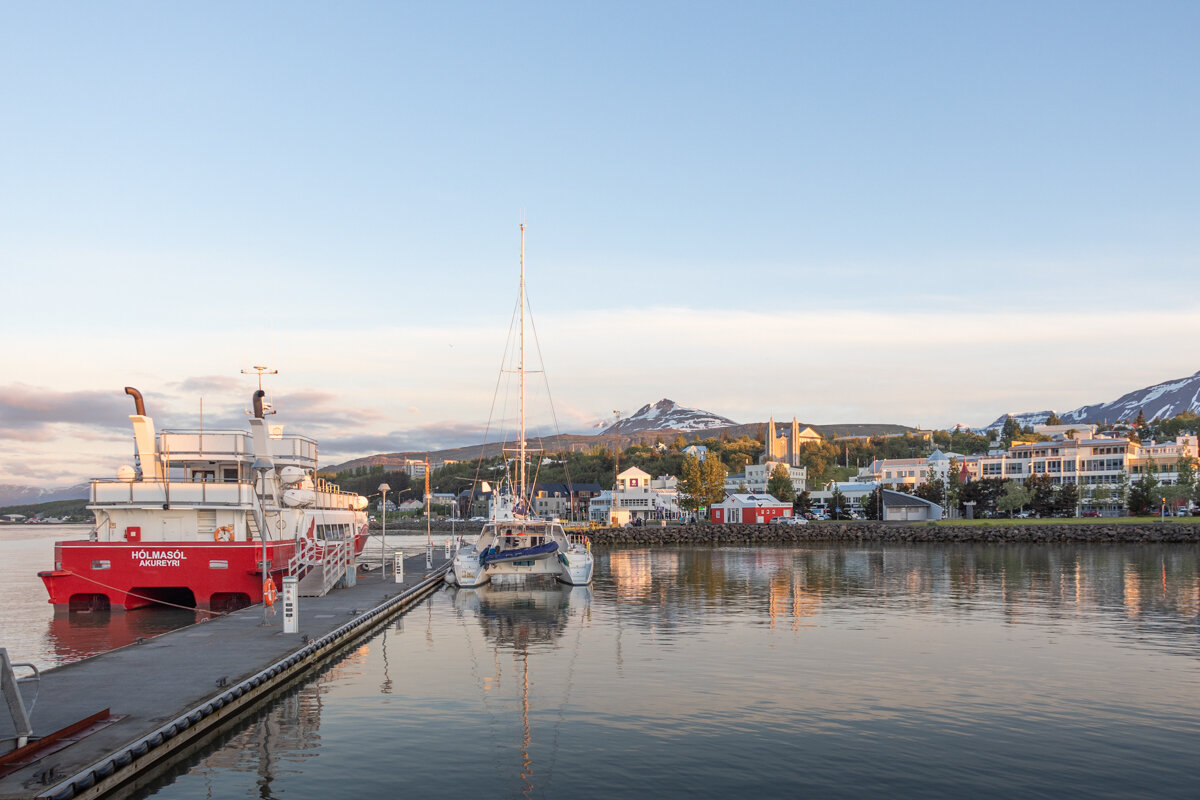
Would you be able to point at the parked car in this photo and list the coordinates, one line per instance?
(1090, 514)
(789, 521)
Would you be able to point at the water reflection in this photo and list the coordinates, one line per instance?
(523, 617)
(836, 671)
(799, 588)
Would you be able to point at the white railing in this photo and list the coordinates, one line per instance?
(334, 558)
(114, 492)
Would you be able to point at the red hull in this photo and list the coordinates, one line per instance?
(126, 575)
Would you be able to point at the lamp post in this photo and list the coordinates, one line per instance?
(263, 466)
(383, 490)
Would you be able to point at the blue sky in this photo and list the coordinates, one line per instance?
(924, 213)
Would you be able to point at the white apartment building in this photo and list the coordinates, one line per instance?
(756, 476)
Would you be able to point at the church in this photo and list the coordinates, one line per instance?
(785, 448)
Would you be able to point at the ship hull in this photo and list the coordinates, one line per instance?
(120, 576)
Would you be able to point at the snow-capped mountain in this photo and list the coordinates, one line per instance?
(667, 415)
(11, 495)
(1159, 401)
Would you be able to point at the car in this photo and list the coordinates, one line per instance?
(789, 521)
(1090, 514)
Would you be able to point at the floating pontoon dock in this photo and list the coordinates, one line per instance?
(139, 709)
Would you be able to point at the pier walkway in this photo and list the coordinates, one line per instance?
(169, 695)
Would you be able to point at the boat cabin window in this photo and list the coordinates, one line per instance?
(203, 476)
(230, 475)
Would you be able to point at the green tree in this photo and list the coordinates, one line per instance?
(839, 506)
(1014, 497)
(1066, 499)
(1053, 419)
(1186, 475)
(870, 504)
(1140, 422)
(954, 484)
(1143, 495)
(780, 485)
(1041, 494)
(803, 502)
(691, 485)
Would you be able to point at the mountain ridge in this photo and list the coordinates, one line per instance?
(1159, 401)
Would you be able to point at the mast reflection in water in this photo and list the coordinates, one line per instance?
(830, 671)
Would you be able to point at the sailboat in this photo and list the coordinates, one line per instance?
(513, 542)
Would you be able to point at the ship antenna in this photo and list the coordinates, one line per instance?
(260, 371)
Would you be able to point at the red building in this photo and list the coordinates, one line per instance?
(758, 509)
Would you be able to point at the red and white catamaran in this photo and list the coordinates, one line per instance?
(189, 525)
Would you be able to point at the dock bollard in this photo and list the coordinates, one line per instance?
(398, 566)
(291, 605)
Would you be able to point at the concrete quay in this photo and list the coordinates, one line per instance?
(171, 695)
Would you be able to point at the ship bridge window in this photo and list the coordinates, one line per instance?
(230, 475)
(200, 476)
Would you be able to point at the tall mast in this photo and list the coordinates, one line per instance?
(521, 372)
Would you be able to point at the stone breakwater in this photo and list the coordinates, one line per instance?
(895, 533)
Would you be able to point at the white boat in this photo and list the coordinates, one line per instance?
(512, 543)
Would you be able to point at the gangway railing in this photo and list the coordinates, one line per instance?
(11, 689)
(320, 566)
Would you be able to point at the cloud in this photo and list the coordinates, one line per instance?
(22, 405)
(433, 436)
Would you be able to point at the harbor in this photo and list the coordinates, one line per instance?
(113, 720)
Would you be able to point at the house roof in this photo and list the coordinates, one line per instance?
(902, 500)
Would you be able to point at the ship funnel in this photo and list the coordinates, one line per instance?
(137, 399)
(258, 403)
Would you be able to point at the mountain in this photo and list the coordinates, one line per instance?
(11, 495)
(1160, 401)
(667, 415)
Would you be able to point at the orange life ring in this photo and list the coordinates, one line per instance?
(269, 593)
(223, 534)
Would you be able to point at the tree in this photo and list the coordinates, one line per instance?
(1041, 494)
(780, 485)
(1014, 497)
(1186, 476)
(1140, 422)
(871, 504)
(803, 502)
(691, 485)
(1053, 419)
(1143, 495)
(839, 507)
(1066, 499)
(1011, 430)
(954, 484)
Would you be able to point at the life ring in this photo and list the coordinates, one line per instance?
(269, 593)
(223, 534)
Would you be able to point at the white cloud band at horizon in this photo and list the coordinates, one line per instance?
(406, 384)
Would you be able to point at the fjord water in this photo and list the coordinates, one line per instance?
(838, 671)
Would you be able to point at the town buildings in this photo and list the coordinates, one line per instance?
(636, 497)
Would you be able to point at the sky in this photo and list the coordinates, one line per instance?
(925, 213)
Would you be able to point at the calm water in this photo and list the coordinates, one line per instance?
(923, 671)
(828, 671)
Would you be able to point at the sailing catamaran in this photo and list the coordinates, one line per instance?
(513, 542)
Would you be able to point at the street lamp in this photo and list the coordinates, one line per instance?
(383, 490)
